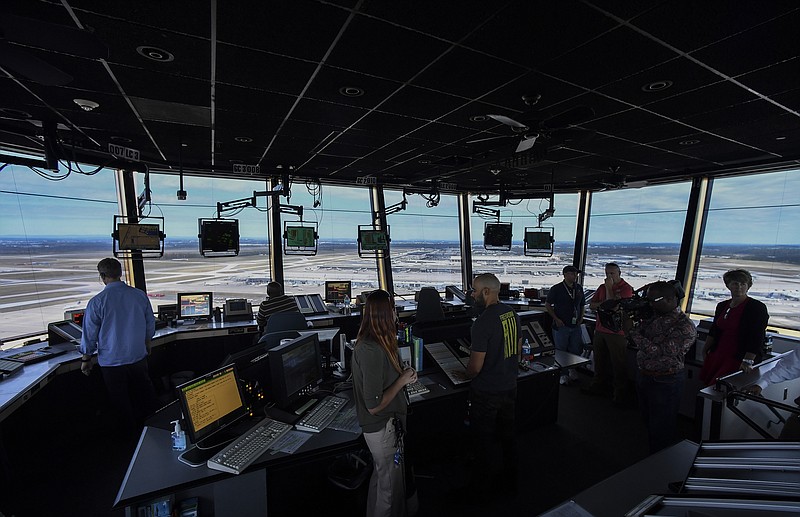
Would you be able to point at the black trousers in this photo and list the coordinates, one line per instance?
(131, 392)
(491, 421)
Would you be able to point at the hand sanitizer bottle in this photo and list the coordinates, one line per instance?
(178, 437)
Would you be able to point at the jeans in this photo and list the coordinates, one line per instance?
(659, 401)
(568, 339)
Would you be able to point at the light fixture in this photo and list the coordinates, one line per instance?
(780, 138)
(689, 142)
(120, 139)
(657, 86)
(155, 54)
(243, 139)
(351, 91)
(478, 118)
(85, 104)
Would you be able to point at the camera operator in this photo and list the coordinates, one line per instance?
(662, 341)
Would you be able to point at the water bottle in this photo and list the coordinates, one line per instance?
(526, 349)
(346, 304)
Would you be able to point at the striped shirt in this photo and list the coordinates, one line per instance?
(272, 305)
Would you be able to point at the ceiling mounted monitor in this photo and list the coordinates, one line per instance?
(497, 236)
(218, 237)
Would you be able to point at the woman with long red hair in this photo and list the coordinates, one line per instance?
(378, 379)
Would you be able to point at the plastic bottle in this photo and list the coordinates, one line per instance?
(526, 349)
(178, 437)
(346, 304)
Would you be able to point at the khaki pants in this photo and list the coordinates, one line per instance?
(609, 362)
(387, 494)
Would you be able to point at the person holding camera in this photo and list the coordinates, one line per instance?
(662, 341)
(609, 345)
(736, 338)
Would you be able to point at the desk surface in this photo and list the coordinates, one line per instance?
(154, 454)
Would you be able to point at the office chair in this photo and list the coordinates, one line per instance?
(285, 321)
(272, 339)
(429, 305)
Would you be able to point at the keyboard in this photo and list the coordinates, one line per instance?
(416, 388)
(9, 367)
(321, 415)
(243, 451)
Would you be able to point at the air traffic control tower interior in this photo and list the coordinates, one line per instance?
(341, 147)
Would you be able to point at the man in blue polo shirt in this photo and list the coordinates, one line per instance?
(565, 302)
(118, 325)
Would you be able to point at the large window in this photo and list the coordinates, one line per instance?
(639, 229)
(425, 243)
(340, 212)
(513, 266)
(182, 268)
(52, 235)
(752, 224)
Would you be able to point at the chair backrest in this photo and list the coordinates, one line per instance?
(429, 305)
(272, 339)
(286, 321)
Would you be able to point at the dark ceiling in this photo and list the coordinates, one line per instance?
(675, 89)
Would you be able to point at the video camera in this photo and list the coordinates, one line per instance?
(613, 313)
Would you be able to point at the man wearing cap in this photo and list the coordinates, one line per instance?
(565, 304)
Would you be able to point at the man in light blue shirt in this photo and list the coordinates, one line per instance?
(118, 325)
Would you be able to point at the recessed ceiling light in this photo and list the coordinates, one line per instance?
(780, 138)
(424, 162)
(10, 112)
(121, 139)
(155, 54)
(656, 86)
(243, 139)
(86, 104)
(321, 168)
(351, 91)
(478, 118)
(689, 142)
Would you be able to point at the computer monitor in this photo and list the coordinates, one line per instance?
(218, 236)
(252, 366)
(211, 402)
(373, 240)
(336, 291)
(300, 236)
(497, 236)
(195, 305)
(138, 237)
(540, 240)
(295, 368)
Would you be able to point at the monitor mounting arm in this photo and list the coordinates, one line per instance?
(238, 204)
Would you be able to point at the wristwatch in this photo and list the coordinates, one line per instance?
(748, 361)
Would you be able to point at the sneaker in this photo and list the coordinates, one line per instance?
(573, 375)
(564, 380)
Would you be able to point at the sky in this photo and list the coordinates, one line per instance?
(757, 209)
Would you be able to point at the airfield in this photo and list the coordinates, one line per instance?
(38, 286)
